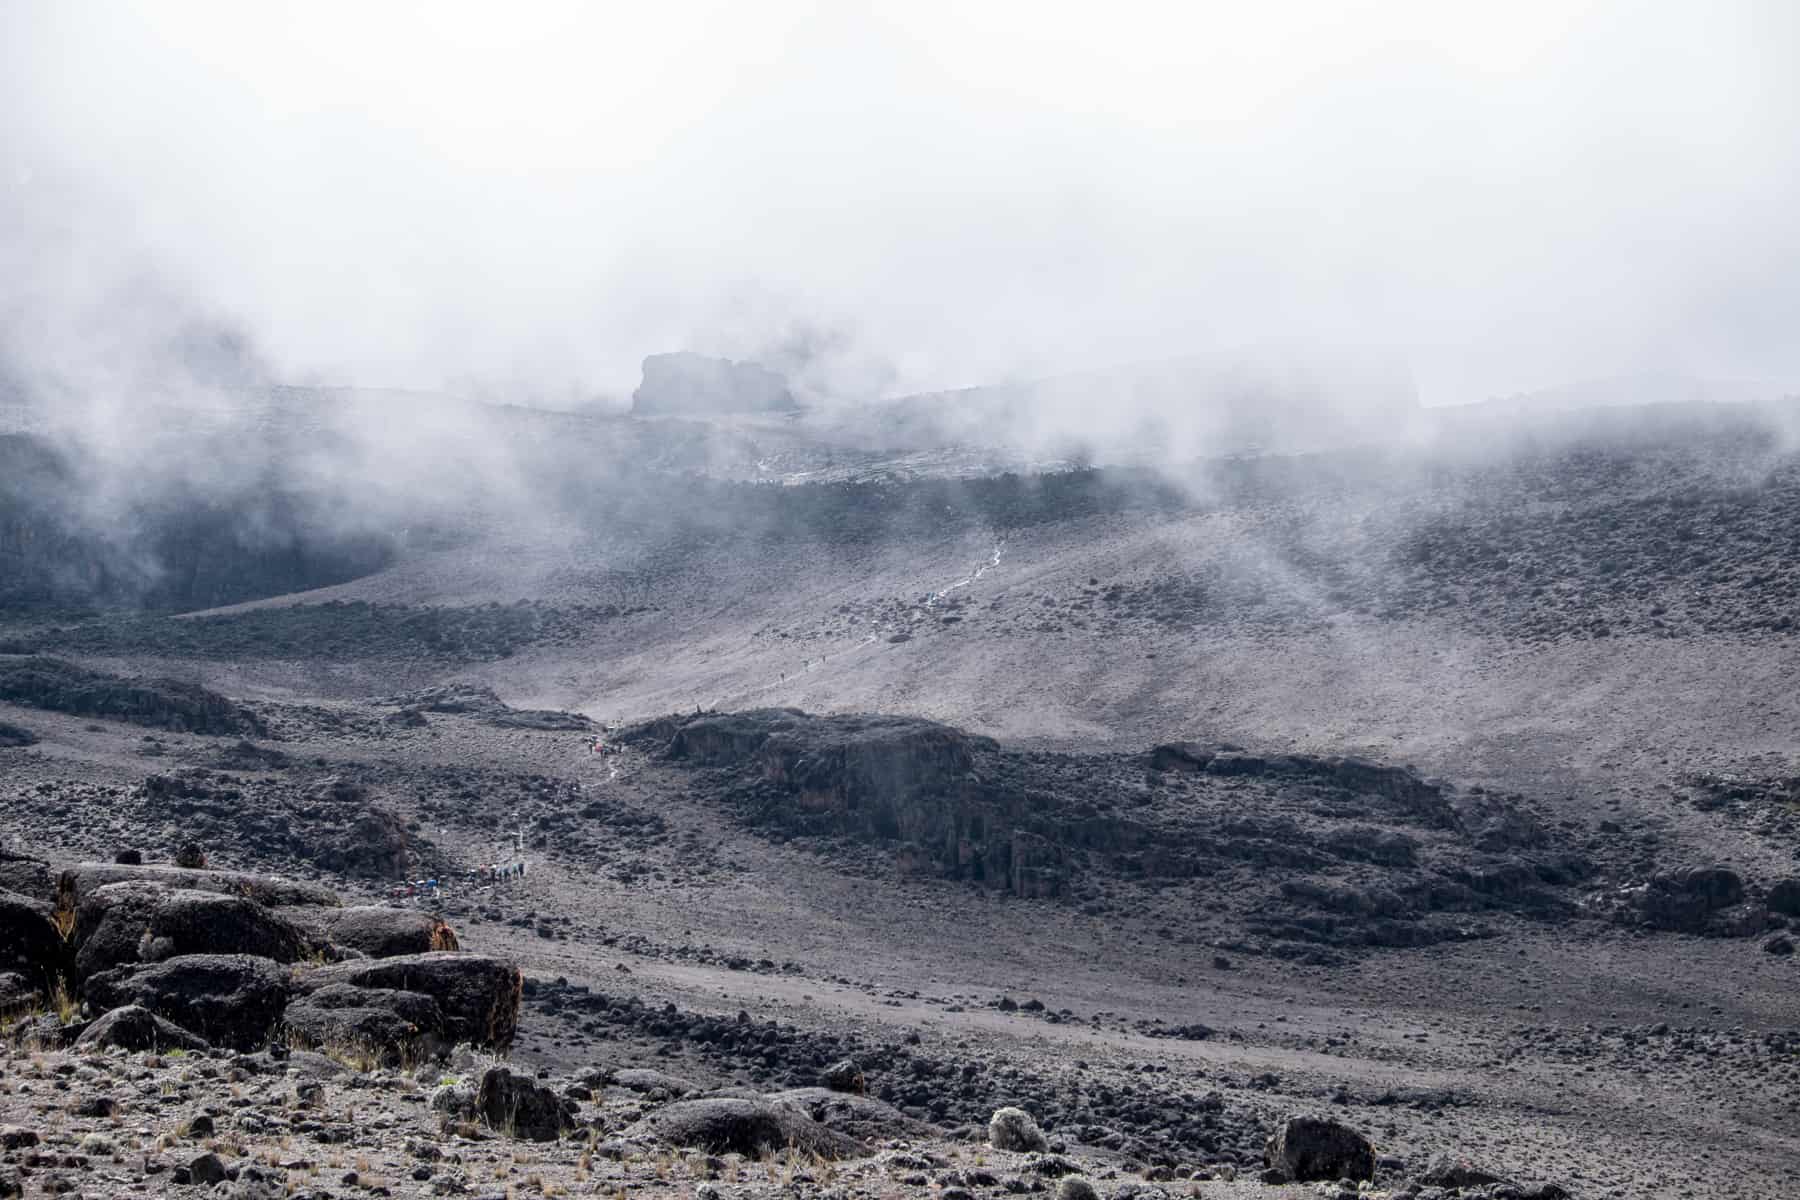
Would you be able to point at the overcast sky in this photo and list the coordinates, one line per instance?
(531, 196)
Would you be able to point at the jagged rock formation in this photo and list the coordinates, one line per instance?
(685, 383)
(58, 686)
(1320, 852)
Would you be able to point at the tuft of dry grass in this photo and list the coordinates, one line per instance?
(67, 1008)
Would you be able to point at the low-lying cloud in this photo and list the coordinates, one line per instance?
(520, 202)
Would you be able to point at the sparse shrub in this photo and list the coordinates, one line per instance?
(1074, 1187)
(1013, 1129)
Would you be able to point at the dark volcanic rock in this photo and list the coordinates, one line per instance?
(685, 383)
(13, 736)
(657, 1085)
(30, 877)
(376, 931)
(1308, 1148)
(1318, 851)
(1181, 756)
(384, 1024)
(59, 686)
(741, 1125)
(861, 1117)
(332, 823)
(521, 1108)
(366, 840)
(30, 946)
(141, 921)
(844, 1076)
(78, 882)
(483, 704)
(229, 999)
(1710, 901)
(1447, 1172)
(1784, 897)
(477, 995)
(133, 1028)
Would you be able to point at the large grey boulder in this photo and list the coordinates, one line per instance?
(519, 1107)
(146, 921)
(230, 1000)
(1309, 1148)
(79, 881)
(862, 1117)
(375, 931)
(30, 946)
(478, 996)
(381, 1025)
(134, 1028)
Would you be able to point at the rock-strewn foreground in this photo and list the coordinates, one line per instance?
(276, 993)
(181, 1028)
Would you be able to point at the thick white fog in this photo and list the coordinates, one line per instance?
(522, 200)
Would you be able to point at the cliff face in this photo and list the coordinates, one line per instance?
(693, 384)
(1309, 851)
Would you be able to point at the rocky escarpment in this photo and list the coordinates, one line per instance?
(58, 686)
(1297, 854)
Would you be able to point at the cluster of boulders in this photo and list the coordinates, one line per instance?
(1712, 901)
(150, 956)
(333, 823)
